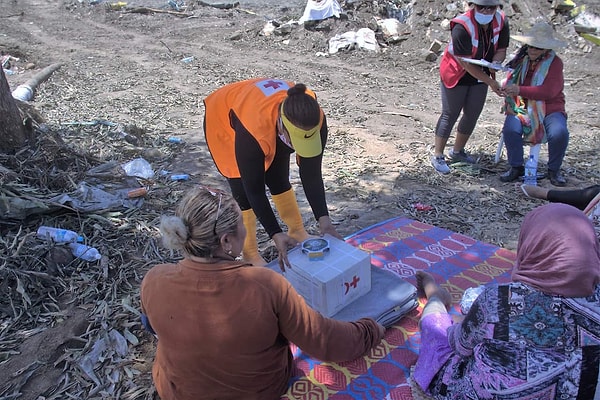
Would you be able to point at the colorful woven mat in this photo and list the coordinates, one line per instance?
(402, 246)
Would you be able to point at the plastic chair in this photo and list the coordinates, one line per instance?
(533, 150)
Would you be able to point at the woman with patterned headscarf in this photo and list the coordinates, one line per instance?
(537, 337)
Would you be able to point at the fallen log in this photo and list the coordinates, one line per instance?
(224, 6)
(26, 91)
(148, 10)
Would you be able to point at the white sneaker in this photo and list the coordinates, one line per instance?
(439, 163)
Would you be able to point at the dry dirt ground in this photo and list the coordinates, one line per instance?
(382, 108)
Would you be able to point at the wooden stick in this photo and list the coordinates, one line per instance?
(148, 10)
(225, 6)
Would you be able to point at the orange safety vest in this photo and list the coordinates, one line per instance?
(450, 70)
(256, 103)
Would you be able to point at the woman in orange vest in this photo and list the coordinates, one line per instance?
(251, 128)
(481, 33)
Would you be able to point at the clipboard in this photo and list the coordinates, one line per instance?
(487, 64)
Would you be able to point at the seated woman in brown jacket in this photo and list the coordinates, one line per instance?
(224, 326)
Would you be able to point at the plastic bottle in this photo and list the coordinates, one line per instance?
(58, 235)
(84, 252)
(180, 177)
(530, 177)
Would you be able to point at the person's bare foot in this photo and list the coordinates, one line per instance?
(426, 287)
(535, 192)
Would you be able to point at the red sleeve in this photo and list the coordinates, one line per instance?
(551, 88)
(323, 338)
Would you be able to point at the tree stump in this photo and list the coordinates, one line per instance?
(13, 134)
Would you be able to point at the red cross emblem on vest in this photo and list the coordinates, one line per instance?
(272, 85)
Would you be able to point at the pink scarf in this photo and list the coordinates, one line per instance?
(558, 252)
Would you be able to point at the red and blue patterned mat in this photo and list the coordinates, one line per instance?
(402, 246)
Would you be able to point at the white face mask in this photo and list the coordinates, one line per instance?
(483, 19)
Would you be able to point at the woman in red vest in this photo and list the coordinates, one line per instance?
(481, 33)
(251, 128)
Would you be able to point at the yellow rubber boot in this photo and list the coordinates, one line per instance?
(288, 210)
(250, 250)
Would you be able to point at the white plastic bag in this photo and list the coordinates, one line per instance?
(139, 167)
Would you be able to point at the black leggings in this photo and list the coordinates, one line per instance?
(579, 198)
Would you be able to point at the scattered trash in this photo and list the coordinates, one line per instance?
(139, 167)
(5, 61)
(268, 29)
(187, 60)
(364, 38)
(177, 5)
(180, 177)
(139, 192)
(391, 28)
(93, 122)
(6, 66)
(58, 235)
(563, 5)
(422, 207)
(174, 139)
(117, 6)
(84, 252)
(88, 198)
(585, 21)
(73, 239)
(400, 14)
(273, 27)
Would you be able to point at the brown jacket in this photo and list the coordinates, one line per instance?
(224, 331)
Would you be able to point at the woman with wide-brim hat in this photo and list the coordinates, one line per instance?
(481, 33)
(535, 106)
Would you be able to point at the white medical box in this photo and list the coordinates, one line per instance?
(331, 282)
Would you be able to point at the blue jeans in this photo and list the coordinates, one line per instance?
(556, 132)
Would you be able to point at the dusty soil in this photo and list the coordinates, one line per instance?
(382, 108)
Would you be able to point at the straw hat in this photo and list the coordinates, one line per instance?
(485, 2)
(540, 35)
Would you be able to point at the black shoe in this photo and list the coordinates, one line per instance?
(556, 178)
(512, 174)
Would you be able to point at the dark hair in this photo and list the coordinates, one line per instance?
(521, 53)
(301, 108)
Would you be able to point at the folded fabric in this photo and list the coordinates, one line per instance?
(390, 299)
